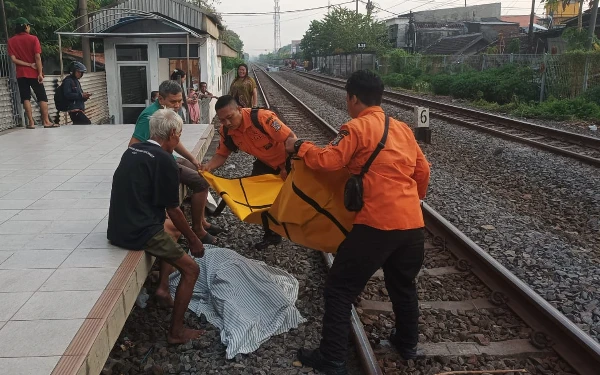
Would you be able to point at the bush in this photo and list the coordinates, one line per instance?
(229, 63)
(393, 80)
(592, 95)
(440, 84)
(565, 109)
(501, 85)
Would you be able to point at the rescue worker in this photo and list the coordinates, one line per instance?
(75, 95)
(265, 141)
(387, 230)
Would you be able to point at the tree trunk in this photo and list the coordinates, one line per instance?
(531, 23)
(593, 18)
(580, 16)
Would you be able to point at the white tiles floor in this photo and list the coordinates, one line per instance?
(55, 260)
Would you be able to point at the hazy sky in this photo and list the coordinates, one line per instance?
(256, 31)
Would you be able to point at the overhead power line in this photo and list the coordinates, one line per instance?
(283, 11)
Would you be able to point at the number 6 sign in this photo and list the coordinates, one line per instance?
(422, 117)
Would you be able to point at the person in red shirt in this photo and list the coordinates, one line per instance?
(25, 52)
(266, 144)
(387, 231)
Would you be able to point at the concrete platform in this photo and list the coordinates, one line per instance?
(65, 292)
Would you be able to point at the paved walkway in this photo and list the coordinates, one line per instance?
(65, 292)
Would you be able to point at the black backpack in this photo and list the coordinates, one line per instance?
(60, 101)
(228, 141)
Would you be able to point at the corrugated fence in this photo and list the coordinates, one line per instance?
(96, 108)
(9, 112)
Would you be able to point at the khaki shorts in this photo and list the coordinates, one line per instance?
(162, 246)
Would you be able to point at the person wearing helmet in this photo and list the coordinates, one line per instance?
(75, 95)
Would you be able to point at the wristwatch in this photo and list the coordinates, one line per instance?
(297, 145)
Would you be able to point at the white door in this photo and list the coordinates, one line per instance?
(133, 84)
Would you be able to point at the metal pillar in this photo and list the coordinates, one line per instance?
(85, 42)
(593, 18)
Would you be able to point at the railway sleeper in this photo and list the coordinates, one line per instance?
(506, 348)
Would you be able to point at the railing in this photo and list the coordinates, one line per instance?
(10, 110)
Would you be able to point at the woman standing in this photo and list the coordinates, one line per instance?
(243, 88)
(193, 106)
(178, 76)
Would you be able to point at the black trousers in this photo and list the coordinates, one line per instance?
(260, 168)
(366, 249)
(79, 118)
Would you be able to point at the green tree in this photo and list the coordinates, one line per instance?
(46, 16)
(233, 39)
(340, 31)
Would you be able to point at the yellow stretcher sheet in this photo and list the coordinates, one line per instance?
(308, 208)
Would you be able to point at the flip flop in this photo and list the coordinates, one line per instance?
(214, 229)
(52, 126)
(209, 240)
(30, 127)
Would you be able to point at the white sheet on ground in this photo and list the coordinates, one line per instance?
(247, 300)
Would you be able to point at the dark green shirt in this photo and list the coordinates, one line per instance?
(142, 125)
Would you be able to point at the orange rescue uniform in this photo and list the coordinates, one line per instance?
(268, 148)
(395, 182)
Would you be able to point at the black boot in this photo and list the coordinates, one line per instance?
(406, 352)
(269, 238)
(314, 359)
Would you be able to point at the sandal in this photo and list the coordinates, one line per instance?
(52, 126)
(214, 229)
(30, 127)
(208, 239)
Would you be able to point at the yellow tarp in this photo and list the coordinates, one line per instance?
(308, 208)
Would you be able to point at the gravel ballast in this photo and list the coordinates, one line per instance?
(536, 212)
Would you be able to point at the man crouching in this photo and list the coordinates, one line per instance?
(145, 185)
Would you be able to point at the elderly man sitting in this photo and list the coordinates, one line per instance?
(145, 185)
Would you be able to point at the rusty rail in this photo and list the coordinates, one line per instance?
(552, 328)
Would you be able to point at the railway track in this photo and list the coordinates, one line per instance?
(577, 146)
(472, 307)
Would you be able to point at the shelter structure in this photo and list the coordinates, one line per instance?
(144, 41)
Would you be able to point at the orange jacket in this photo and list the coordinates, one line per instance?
(397, 178)
(269, 149)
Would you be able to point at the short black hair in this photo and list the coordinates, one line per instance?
(366, 86)
(154, 94)
(203, 83)
(20, 29)
(169, 88)
(224, 101)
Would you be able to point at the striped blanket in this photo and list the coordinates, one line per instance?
(247, 300)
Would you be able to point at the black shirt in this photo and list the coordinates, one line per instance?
(145, 184)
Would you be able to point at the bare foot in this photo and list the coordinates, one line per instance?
(164, 299)
(187, 334)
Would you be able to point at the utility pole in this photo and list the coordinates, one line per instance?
(370, 7)
(356, 6)
(84, 27)
(530, 35)
(277, 29)
(593, 17)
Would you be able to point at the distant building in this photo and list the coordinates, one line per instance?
(523, 20)
(559, 14)
(296, 46)
(418, 30)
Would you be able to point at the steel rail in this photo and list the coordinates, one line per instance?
(569, 341)
(449, 112)
(365, 351)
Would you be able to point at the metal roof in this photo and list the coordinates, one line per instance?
(180, 14)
